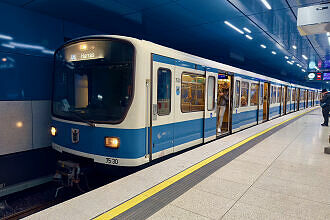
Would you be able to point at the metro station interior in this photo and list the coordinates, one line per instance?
(167, 109)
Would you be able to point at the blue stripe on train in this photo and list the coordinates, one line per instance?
(133, 141)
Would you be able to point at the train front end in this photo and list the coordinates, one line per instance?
(93, 89)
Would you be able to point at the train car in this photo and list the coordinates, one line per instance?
(123, 101)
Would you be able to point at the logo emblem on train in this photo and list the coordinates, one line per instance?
(75, 135)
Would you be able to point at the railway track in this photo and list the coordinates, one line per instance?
(31, 210)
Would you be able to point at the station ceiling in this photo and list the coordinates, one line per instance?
(198, 27)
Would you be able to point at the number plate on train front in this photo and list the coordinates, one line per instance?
(112, 161)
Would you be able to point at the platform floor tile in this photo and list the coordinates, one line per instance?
(286, 176)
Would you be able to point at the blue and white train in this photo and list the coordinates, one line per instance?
(124, 102)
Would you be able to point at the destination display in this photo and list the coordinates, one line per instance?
(85, 51)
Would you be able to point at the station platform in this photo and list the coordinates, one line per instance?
(276, 170)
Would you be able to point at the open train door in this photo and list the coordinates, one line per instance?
(210, 112)
(224, 104)
(298, 99)
(266, 99)
(284, 99)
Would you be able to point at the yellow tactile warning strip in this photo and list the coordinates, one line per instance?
(112, 213)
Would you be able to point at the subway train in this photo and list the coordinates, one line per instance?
(122, 101)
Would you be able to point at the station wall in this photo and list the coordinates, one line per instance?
(27, 42)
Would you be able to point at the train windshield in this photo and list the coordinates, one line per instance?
(93, 81)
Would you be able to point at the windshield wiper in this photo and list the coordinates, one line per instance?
(82, 119)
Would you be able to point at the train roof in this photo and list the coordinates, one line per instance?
(170, 52)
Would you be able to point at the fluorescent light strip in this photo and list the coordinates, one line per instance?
(248, 37)
(247, 30)
(273, 52)
(263, 46)
(303, 70)
(286, 57)
(26, 46)
(294, 47)
(289, 62)
(304, 56)
(8, 45)
(233, 27)
(48, 52)
(5, 37)
(266, 4)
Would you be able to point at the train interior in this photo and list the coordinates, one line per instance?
(224, 105)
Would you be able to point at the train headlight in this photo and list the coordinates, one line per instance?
(112, 142)
(53, 131)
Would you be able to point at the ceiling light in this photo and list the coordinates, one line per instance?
(294, 47)
(247, 30)
(289, 62)
(233, 27)
(26, 46)
(266, 4)
(293, 58)
(286, 57)
(248, 37)
(8, 45)
(298, 65)
(263, 46)
(5, 37)
(4, 59)
(303, 70)
(304, 56)
(273, 52)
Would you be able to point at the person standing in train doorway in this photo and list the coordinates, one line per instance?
(222, 103)
(325, 104)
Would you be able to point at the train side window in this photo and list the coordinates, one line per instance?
(278, 95)
(192, 92)
(254, 94)
(237, 92)
(210, 93)
(164, 91)
(244, 94)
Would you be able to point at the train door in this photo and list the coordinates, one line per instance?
(162, 118)
(284, 99)
(288, 99)
(224, 104)
(266, 94)
(210, 113)
(306, 98)
(261, 103)
(294, 99)
(298, 99)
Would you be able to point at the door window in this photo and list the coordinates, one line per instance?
(164, 91)
(244, 94)
(261, 94)
(210, 93)
(237, 92)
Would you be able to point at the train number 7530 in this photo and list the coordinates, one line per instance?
(110, 160)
